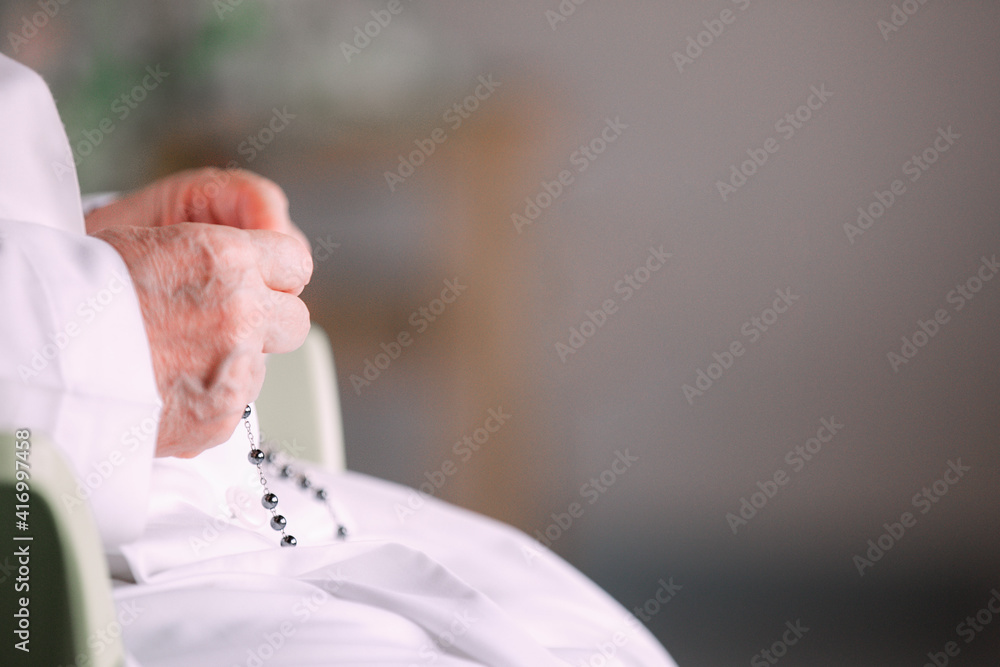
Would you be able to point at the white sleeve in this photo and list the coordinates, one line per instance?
(75, 365)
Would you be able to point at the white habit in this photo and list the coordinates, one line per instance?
(441, 586)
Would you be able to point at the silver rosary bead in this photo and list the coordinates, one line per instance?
(258, 457)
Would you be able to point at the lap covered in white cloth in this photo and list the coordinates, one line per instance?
(436, 586)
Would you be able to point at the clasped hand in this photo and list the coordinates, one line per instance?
(218, 286)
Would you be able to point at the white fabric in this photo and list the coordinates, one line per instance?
(440, 587)
(75, 363)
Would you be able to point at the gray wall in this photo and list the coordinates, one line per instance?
(784, 229)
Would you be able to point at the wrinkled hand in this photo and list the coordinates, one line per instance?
(231, 197)
(214, 299)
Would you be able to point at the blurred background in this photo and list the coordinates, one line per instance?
(499, 183)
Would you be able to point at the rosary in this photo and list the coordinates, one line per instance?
(259, 458)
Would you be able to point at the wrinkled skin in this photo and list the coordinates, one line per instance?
(218, 279)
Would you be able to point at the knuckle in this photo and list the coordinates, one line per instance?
(212, 410)
(191, 239)
(222, 400)
(229, 266)
(223, 250)
(221, 257)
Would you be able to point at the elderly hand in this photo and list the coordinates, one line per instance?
(233, 197)
(215, 299)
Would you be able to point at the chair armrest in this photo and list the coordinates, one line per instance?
(70, 605)
(299, 406)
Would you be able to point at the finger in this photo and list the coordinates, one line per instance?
(255, 202)
(287, 324)
(237, 383)
(259, 203)
(181, 197)
(235, 198)
(284, 263)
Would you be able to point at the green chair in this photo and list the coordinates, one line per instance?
(68, 586)
(70, 613)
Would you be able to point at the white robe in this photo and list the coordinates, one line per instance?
(437, 586)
